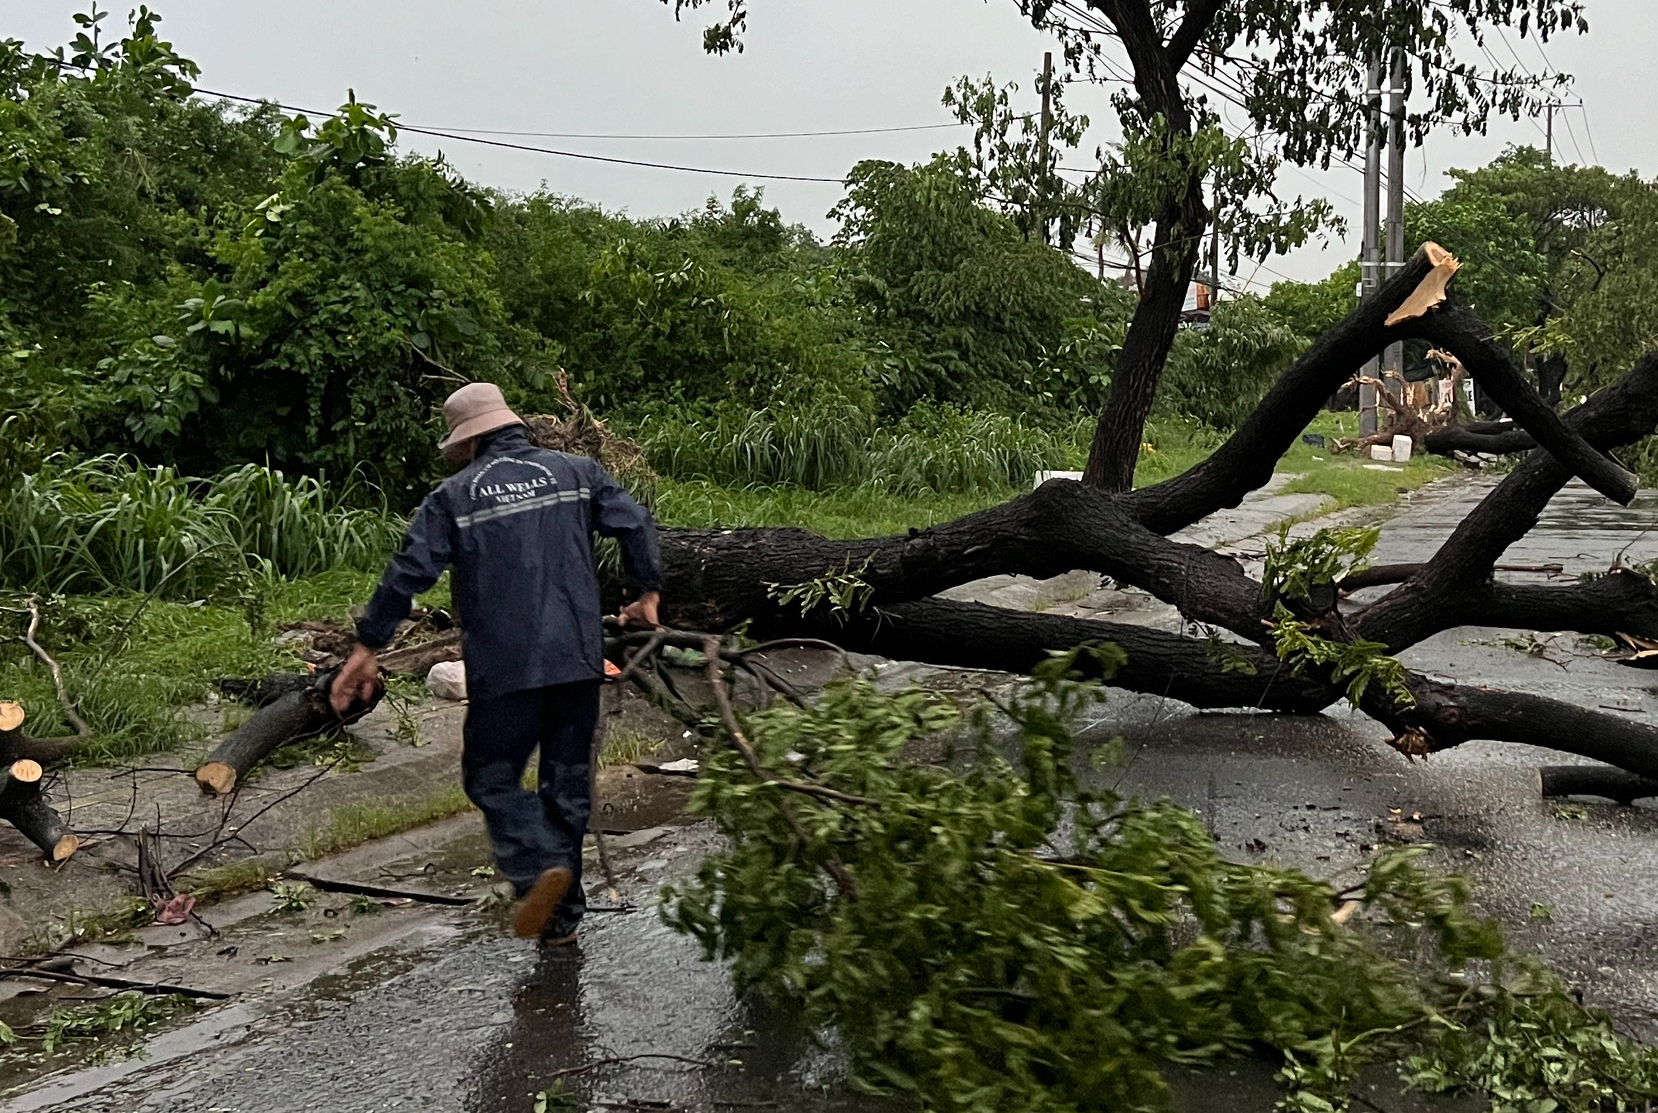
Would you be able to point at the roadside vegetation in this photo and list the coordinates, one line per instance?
(1103, 945)
(223, 335)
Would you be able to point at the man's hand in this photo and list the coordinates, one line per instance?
(356, 680)
(642, 611)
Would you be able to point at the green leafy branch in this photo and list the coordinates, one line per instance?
(1294, 565)
(1020, 940)
(1357, 665)
(844, 593)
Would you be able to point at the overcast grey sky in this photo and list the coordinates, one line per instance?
(624, 67)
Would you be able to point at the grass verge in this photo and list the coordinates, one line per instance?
(134, 664)
(352, 825)
(1349, 479)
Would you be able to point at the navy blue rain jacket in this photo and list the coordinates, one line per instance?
(517, 526)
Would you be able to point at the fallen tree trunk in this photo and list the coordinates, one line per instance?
(1462, 438)
(290, 717)
(24, 806)
(265, 690)
(720, 578)
(1595, 780)
(1201, 672)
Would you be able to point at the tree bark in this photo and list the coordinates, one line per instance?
(976, 636)
(1180, 226)
(1594, 780)
(289, 717)
(1458, 438)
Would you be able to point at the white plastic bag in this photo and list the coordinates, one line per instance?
(447, 680)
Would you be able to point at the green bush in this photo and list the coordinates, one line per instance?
(1217, 375)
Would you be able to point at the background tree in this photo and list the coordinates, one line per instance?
(1297, 70)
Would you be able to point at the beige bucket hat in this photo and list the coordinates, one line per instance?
(476, 409)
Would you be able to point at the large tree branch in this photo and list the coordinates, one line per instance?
(1624, 412)
(1246, 460)
(1193, 671)
(717, 578)
(1460, 438)
(1200, 14)
(976, 636)
(1468, 338)
(1620, 602)
(1155, 78)
(1450, 715)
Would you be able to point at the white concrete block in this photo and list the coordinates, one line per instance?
(1381, 452)
(1402, 447)
(1043, 476)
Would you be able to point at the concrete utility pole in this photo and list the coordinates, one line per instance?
(1047, 124)
(1214, 249)
(1370, 254)
(1549, 135)
(1393, 361)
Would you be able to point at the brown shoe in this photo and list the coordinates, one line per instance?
(536, 910)
(557, 937)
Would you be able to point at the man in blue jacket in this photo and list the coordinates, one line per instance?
(516, 525)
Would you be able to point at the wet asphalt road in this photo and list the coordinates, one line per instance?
(449, 1015)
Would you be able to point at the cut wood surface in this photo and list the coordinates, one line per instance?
(1430, 292)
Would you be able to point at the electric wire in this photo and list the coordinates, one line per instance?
(586, 156)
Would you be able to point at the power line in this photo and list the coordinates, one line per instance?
(583, 155)
(1567, 120)
(1587, 132)
(738, 135)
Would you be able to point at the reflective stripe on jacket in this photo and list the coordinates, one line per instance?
(516, 526)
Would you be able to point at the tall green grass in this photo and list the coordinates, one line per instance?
(111, 524)
(931, 450)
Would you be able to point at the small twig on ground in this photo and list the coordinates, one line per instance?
(107, 982)
(219, 840)
(597, 747)
(620, 1060)
(82, 731)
